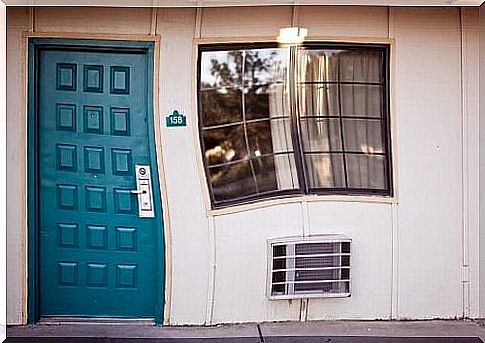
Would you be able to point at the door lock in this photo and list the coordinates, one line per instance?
(144, 191)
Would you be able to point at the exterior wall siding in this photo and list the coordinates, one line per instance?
(428, 114)
(471, 158)
(482, 165)
(407, 255)
(17, 22)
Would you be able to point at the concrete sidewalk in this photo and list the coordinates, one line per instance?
(434, 328)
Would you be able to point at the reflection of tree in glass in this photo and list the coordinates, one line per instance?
(227, 75)
(223, 102)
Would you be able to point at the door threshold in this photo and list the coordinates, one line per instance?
(96, 321)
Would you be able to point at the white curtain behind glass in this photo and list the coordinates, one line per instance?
(360, 98)
(286, 174)
(363, 101)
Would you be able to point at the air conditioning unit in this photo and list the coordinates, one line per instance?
(309, 267)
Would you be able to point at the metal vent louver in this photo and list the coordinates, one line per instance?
(317, 266)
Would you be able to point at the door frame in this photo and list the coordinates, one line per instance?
(34, 46)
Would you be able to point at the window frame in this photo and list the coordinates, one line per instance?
(295, 122)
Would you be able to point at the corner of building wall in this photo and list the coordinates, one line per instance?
(470, 136)
(481, 281)
(18, 22)
(3, 155)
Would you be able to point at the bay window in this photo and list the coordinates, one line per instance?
(281, 121)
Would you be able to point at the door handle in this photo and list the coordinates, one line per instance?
(144, 191)
(138, 191)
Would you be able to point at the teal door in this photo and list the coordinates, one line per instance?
(98, 257)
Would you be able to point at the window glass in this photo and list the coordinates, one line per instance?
(232, 181)
(319, 65)
(221, 69)
(221, 106)
(244, 117)
(364, 136)
(361, 100)
(360, 65)
(325, 170)
(293, 120)
(225, 145)
(318, 99)
(366, 171)
(321, 135)
(347, 151)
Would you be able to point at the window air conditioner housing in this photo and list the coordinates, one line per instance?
(309, 267)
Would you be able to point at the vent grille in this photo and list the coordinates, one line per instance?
(311, 267)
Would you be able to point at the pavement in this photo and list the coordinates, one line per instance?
(442, 331)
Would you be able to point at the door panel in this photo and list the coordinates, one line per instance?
(97, 257)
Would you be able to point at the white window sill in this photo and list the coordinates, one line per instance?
(378, 199)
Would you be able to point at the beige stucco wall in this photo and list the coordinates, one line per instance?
(3, 182)
(482, 161)
(408, 255)
(16, 177)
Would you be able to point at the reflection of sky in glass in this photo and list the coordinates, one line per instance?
(275, 58)
(206, 65)
(276, 69)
